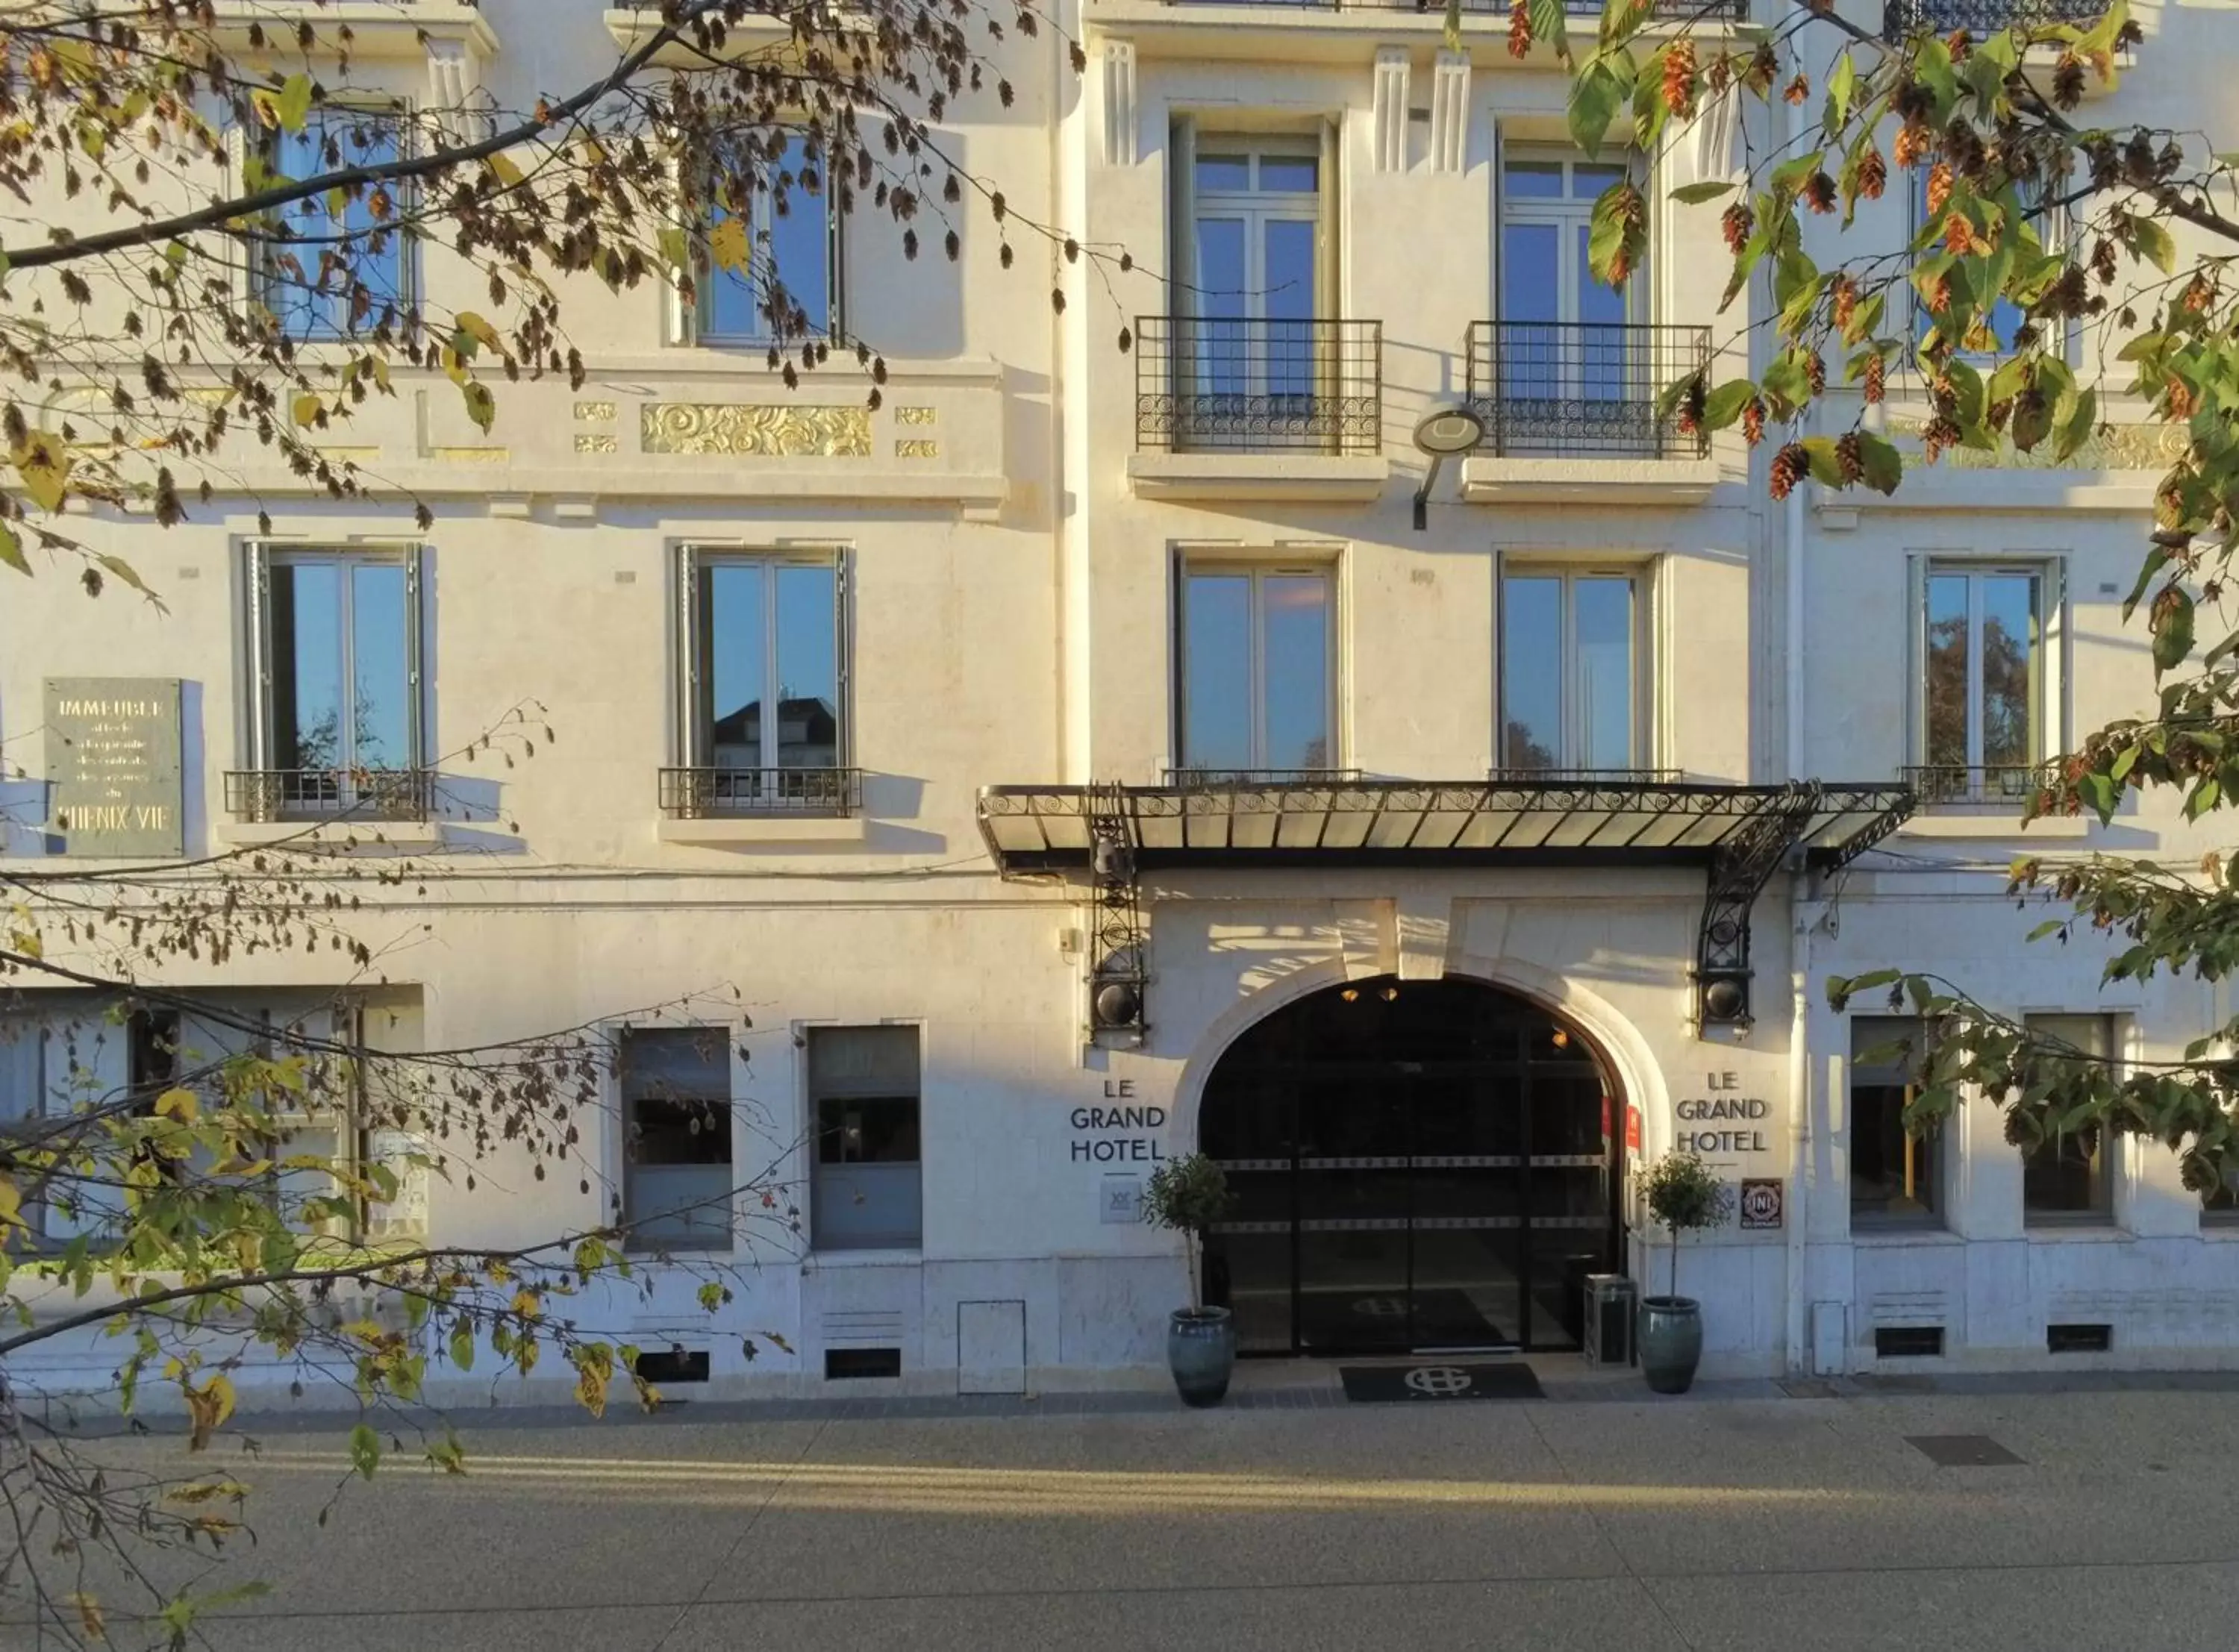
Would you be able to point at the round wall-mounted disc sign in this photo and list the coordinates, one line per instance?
(1449, 430)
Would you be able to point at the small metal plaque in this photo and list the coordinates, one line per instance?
(1123, 1200)
(1963, 1450)
(113, 762)
(1761, 1202)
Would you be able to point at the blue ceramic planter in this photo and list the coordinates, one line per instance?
(1201, 1349)
(1671, 1341)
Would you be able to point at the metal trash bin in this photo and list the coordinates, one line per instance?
(1612, 1303)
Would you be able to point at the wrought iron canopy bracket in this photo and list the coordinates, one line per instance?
(1740, 868)
(1118, 983)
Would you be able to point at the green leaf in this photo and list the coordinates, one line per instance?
(293, 107)
(1551, 25)
(1790, 176)
(1842, 84)
(1693, 195)
(2172, 627)
(463, 1348)
(675, 247)
(1621, 20)
(1786, 385)
(1618, 227)
(2031, 423)
(1826, 467)
(1883, 466)
(2100, 791)
(2076, 429)
(2157, 560)
(2149, 239)
(42, 459)
(364, 1449)
(1724, 405)
(482, 406)
(1596, 96)
(11, 550)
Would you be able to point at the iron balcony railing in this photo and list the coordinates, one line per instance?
(1695, 11)
(1901, 19)
(270, 795)
(2004, 788)
(1210, 384)
(1221, 779)
(1583, 389)
(698, 793)
(1523, 776)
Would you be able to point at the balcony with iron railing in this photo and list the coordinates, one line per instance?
(721, 793)
(266, 797)
(1254, 407)
(1582, 390)
(1901, 19)
(1998, 788)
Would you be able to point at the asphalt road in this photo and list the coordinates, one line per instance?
(1735, 1524)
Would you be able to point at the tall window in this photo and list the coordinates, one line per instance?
(1570, 677)
(344, 267)
(1563, 341)
(1895, 1176)
(338, 722)
(1257, 682)
(793, 263)
(863, 1084)
(1983, 700)
(1257, 265)
(765, 700)
(677, 1177)
(2068, 1176)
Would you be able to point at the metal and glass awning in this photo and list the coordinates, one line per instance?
(1411, 823)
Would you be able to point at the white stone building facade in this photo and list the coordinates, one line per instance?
(1143, 776)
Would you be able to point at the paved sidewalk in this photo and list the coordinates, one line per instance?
(1852, 1521)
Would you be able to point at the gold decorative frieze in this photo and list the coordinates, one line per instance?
(775, 431)
(598, 444)
(917, 449)
(347, 455)
(471, 455)
(2116, 446)
(916, 415)
(595, 412)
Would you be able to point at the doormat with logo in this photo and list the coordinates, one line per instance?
(1435, 1380)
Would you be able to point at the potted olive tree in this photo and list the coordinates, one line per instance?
(1189, 1194)
(1683, 1196)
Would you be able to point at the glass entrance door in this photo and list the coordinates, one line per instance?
(1451, 1199)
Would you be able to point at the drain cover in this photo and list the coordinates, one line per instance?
(1963, 1450)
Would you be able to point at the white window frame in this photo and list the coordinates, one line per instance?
(2108, 1171)
(822, 1242)
(1643, 672)
(2049, 572)
(260, 735)
(693, 737)
(1568, 215)
(1258, 208)
(699, 325)
(618, 1135)
(1189, 567)
(401, 110)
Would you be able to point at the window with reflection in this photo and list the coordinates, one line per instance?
(1896, 1176)
(336, 637)
(1565, 337)
(767, 663)
(1570, 671)
(792, 247)
(1983, 665)
(1256, 269)
(339, 266)
(677, 1177)
(1257, 684)
(863, 1085)
(2068, 1176)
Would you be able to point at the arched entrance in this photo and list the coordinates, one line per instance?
(1417, 1165)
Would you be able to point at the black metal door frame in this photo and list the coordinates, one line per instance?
(1520, 1073)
